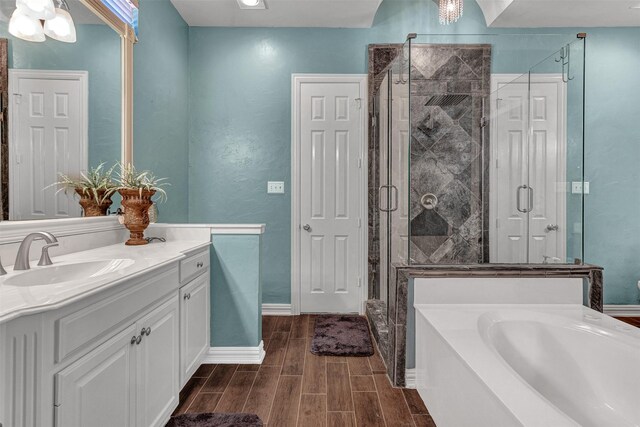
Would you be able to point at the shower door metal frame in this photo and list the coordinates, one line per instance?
(496, 80)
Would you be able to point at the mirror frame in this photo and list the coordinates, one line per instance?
(127, 40)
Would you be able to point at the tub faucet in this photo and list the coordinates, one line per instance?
(22, 259)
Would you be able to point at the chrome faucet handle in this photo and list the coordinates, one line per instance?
(44, 258)
(2, 270)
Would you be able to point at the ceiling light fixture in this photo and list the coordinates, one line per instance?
(252, 4)
(26, 27)
(61, 27)
(450, 11)
(37, 9)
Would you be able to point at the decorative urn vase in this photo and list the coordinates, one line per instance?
(136, 205)
(91, 206)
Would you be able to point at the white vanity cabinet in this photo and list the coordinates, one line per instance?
(194, 333)
(115, 358)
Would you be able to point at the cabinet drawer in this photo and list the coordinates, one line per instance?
(90, 324)
(194, 266)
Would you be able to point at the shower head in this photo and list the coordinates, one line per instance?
(445, 100)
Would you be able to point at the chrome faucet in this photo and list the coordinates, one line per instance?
(22, 259)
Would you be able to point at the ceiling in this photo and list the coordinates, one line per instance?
(279, 13)
(560, 13)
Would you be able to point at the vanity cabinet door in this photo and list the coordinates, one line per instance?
(99, 389)
(158, 364)
(194, 325)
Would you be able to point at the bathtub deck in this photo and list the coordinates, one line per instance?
(309, 390)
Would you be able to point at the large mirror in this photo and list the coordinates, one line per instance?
(61, 111)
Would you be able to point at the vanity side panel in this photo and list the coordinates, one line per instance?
(21, 372)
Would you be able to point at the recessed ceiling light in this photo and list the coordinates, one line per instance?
(252, 4)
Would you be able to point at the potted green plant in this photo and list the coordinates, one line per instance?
(137, 189)
(94, 187)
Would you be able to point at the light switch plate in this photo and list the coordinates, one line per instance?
(275, 187)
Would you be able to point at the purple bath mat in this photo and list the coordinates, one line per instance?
(341, 335)
(215, 420)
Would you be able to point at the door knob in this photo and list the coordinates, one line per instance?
(552, 227)
(306, 227)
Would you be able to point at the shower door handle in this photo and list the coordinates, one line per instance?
(380, 198)
(529, 207)
(519, 199)
(395, 198)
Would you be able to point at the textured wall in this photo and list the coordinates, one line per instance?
(161, 86)
(240, 112)
(235, 291)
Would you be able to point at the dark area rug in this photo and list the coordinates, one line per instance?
(215, 420)
(341, 335)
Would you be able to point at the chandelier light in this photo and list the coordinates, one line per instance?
(450, 11)
(25, 27)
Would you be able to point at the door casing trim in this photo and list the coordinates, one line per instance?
(296, 81)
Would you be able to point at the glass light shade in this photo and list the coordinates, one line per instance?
(450, 11)
(25, 27)
(61, 27)
(250, 2)
(38, 9)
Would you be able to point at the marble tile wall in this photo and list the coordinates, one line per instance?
(448, 84)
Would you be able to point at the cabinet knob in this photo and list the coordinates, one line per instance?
(200, 264)
(145, 331)
(136, 339)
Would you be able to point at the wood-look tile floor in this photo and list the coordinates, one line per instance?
(293, 387)
(634, 321)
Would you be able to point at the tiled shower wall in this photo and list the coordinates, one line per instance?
(449, 157)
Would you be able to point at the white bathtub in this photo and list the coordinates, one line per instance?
(550, 365)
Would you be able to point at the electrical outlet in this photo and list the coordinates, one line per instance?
(275, 187)
(578, 186)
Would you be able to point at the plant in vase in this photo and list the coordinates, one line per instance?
(137, 189)
(94, 187)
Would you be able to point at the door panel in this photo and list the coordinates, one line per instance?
(330, 137)
(194, 325)
(48, 138)
(98, 390)
(158, 364)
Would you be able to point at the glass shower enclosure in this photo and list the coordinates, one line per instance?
(480, 142)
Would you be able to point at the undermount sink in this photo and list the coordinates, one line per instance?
(51, 275)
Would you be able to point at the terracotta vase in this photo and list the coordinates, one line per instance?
(136, 214)
(91, 206)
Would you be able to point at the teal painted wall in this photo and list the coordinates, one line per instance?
(240, 123)
(161, 92)
(97, 51)
(235, 291)
(612, 236)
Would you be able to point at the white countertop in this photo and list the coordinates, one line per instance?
(18, 301)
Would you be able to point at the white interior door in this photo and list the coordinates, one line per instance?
(528, 183)
(330, 140)
(48, 136)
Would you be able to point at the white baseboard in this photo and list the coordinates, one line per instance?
(410, 378)
(622, 310)
(276, 309)
(235, 355)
